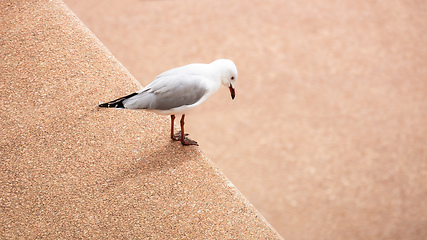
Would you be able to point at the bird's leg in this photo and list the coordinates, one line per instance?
(176, 137)
(172, 125)
(184, 139)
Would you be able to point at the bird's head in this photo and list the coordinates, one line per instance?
(228, 74)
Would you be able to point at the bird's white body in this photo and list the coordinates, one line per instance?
(181, 89)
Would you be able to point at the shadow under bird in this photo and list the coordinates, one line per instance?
(179, 90)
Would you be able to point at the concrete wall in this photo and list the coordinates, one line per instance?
(71, 170)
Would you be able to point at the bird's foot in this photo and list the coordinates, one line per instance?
(188, 141)
(177, 136)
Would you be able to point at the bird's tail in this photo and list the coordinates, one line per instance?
(118, 103)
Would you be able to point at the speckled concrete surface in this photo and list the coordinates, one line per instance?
(70, 170)
(327, 135)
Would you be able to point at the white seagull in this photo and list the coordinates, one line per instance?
(179, 90)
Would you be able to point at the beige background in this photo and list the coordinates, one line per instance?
(327, 135)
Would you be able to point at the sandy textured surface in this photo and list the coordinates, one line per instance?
(69, 170)
(327, 135)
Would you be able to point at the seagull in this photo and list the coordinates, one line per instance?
(179, 90)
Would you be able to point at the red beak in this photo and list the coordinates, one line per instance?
(233, 93)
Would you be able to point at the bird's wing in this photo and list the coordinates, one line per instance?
(190, 69)
(169, 91)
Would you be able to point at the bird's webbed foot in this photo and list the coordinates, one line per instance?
(177, 136)
(188, 141)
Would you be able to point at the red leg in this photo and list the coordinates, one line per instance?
(175, 136)
(184, 140)
(172, 125)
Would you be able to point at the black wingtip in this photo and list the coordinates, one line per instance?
(118, 103)
(104, 105)
(112, 105)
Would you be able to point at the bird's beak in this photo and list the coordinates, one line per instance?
(233, 93)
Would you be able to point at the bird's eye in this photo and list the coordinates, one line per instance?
(232, 78)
